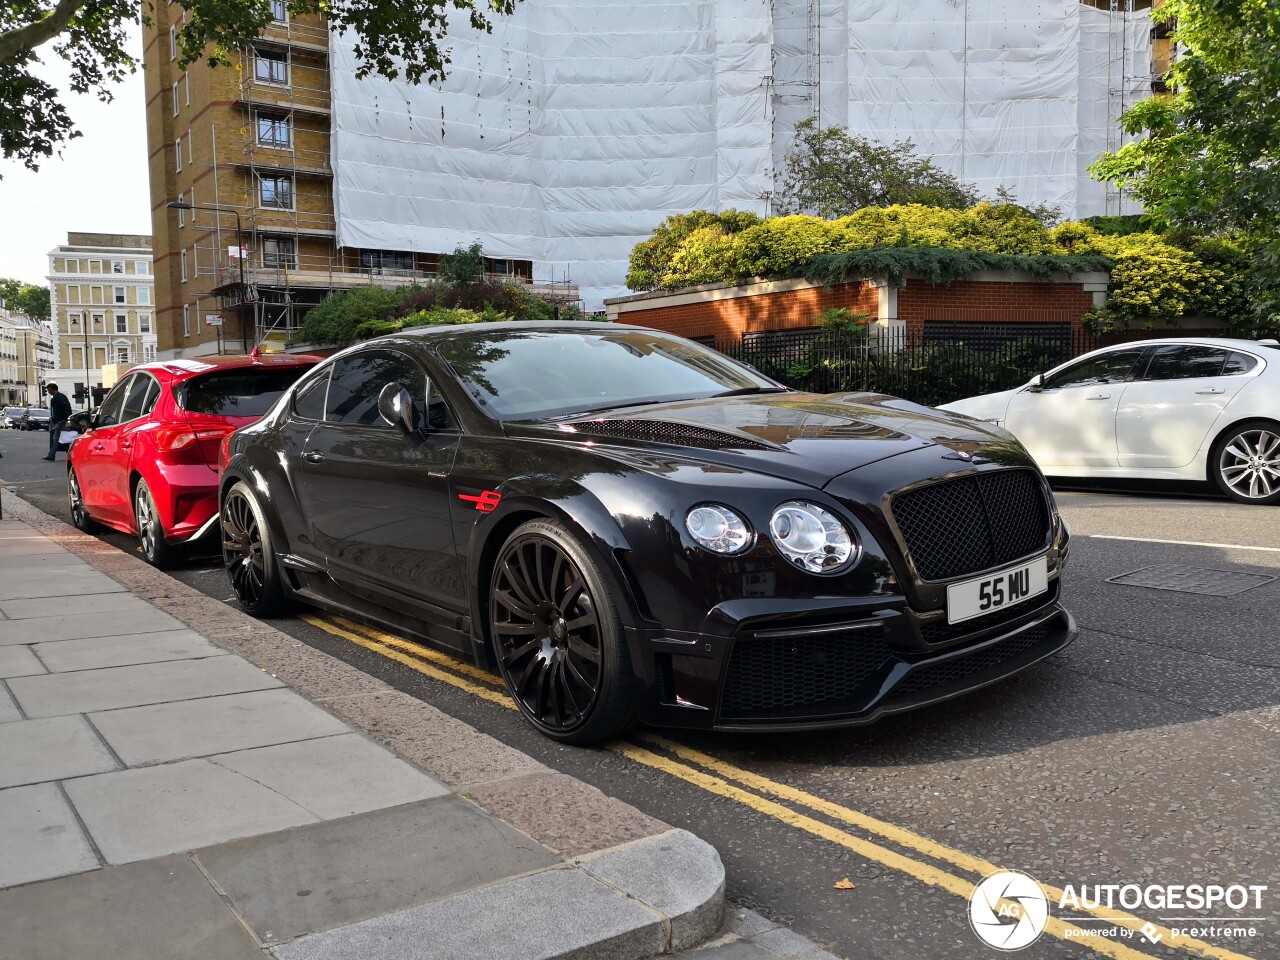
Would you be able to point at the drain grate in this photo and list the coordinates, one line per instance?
(1184, 579)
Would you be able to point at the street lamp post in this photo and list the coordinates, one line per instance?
(244, 289)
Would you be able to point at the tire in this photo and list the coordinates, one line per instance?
(1245, 462)
(248, 557)
(557, 636)
(80, 518)
(150, 530)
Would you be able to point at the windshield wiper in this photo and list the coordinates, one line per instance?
(746, 391)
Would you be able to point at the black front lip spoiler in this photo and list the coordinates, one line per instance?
(1064, 629)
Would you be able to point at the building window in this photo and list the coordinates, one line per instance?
(274, 130)
(279, 252)
(71, 266)
(190, 156)
(279, 11)
(177, 155)
(173, 92)
(117, 295)
(117, 266)
(122, 323)
(95, 295)
(186, 319)
(122, 354)
(378, 260)
(186, 88)
(173, 43)
(141, 268)
(149, 351)
(271, 66)
(275, 192)
(144, 295)
(74, 320)
(182, 259)
(99, 322)
(144, 323)
(95, 266)
(77, 356)
(182, 214)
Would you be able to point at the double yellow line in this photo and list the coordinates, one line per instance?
(722, 779)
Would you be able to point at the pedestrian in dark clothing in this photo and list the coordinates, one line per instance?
(59, 415)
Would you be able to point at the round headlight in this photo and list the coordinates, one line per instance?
(812, 538)
(718, 528)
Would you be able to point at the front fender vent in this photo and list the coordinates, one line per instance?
(669, 431)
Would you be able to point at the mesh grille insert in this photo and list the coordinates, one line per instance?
(972, 523)
(769, 675)
(962, 668)
(666, 431)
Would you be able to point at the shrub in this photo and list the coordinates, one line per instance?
(424, 318)
(336, 318)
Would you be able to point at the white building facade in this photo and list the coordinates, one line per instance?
(576, 126)
(102, 305)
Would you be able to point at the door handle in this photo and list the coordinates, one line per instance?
(97, 446)
(1212, 391)
(313, 456)
(1101, 396)
(126, 444)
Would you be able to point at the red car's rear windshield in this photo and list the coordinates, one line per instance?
(243, 392)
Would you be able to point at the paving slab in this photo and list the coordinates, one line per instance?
(156, 910)
(35, 751)
(39, 564)
(735, 950)
(152, 811)
(94, 653)
(140, 617)
(32, 546)
(86, 691)
(557, 913)
(334, 776)
(9, 711)
(19, 662)
(70, 603)
(319, 877)
(40, 839)
(197, 728)
(58, 582)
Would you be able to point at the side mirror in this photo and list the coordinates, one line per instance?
(1037, 384)
(395, 406)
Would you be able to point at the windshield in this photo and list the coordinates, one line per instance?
(536, 374)
(244, 392)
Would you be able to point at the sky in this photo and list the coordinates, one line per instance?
(99, 183)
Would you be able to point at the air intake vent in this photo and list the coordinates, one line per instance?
(666, 431)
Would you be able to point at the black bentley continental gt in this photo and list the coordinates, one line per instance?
(631, 526)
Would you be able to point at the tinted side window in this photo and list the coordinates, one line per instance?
(242, 392)
(135, 401)
(358, 379)
(308, 402)
(1186, 362)
(109, 413)
(1111, 367)
(1239, 363)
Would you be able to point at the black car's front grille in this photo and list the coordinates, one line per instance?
(770, 675)
(667, 431)
(961, 668)
(972, 523)
(939, 631)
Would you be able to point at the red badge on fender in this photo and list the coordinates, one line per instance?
(486, 502)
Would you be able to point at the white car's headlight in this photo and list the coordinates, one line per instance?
(812, 538)
(718, 529)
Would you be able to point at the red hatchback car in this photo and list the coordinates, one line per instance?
(149, 463)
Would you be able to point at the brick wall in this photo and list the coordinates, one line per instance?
(985, 301)
(733, 316)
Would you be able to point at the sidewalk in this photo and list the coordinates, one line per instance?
(178, 780)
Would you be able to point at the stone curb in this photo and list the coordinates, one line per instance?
(675, 879)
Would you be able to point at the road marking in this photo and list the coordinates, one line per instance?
(1182, 543)
(424, 661)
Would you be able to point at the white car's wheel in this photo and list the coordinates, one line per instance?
(1245, 462)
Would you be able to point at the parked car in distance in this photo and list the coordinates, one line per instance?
(35, 418)
(11, 419)
(148, 465)
(629, 525)
(1173, 409)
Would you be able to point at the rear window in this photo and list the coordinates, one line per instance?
(247, 392)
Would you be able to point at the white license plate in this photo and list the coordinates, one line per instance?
(995, 591)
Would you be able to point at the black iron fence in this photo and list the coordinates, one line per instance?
(941, 363)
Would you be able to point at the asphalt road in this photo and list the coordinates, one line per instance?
(1148, 752)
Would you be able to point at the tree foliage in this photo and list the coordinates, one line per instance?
(27, 297)
(391, 40)
(832, 173)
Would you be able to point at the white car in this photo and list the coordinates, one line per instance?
(1176, 409)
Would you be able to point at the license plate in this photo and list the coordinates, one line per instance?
(995, 591)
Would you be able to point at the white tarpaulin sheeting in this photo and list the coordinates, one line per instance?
(574, 128)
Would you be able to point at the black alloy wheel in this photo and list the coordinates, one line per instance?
(558, 640)
(155, 549)
(247, 555)
(79, 514)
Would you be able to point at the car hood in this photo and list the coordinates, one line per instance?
(988, 406)
(809, 438)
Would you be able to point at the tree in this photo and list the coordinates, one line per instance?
(831, 173)
(391, 39)
(27, 297)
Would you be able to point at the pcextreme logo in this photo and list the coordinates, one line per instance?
(1008, 910)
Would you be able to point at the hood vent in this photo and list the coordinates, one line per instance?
(667, 431)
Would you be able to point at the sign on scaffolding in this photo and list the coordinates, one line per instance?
(213, 319)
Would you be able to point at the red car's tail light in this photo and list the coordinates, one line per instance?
(172, 437)
(224, 453)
